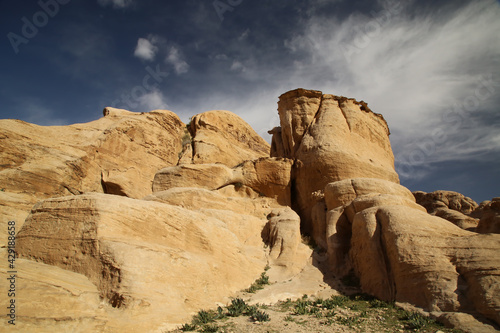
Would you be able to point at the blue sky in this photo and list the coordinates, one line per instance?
(432, 68)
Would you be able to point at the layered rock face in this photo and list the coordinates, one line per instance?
(451, 206)
(139, 221)
(191, 234)
(117, 154)
(347, 194)
(489, 213)
(331, 138)
(223, 137)
(402, 253)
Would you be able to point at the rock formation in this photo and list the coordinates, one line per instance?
(331, 138)
(117, 154)
(401, 253)
(489, 213)
(451, 206)
(136, 221)
(223, 137)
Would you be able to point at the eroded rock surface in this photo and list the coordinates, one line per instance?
(269, 177)
(223, 137)
(401, 253)
(490, 217)
(142, 254)
(331, 138)
(208, 209)
(451, 206)
(117, 154)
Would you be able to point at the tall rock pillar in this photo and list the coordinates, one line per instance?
(330, 138)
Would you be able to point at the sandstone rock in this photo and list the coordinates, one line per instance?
(141, 254)
(490, 217)
(268, 177)
(198, 199)
(117, 154)
(343, 192)
(401, 253)
(282, 234)
(466, 322)
(271, 177)
(51, 299)
(344, 199)
(277, 147)
(445, 199)
(460, 220)
(219, 211)
(297, 109)
(208, 176)
(331, 138)
(223, 137)
(451, 206)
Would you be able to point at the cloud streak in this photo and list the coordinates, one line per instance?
(413, 69)
(176, 59)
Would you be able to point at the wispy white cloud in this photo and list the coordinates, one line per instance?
(152, 100)
(413, 68)
(145, 49)
(176, 59)
(237, 66)
(116, 3)
(244, 35)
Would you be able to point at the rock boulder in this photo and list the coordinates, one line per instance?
(223, 137)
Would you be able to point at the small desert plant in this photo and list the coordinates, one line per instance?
(286, 305)
(188, 327)
(237, 307)
(259, 283)
(251, 310)
(186, 138)
(338, 300)
(301, 307)
(204, 317)
(347, 321)
(376, 303)
(414, 320)
(260, 316)
(210, 328)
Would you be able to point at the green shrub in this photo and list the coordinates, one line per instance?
(251, 310)
(260, 316)
(338, 300)
(204, 317)
(264, 279)
(347, 321)
(237, 307)
(188, 327)
(212, 328)
(301, 307)
(259, 283)
(376, 303)
(414, 320)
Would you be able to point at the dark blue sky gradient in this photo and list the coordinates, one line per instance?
(412, 61)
